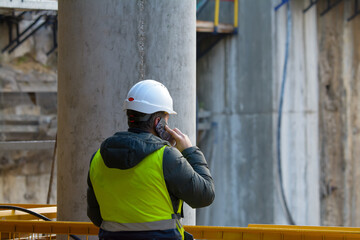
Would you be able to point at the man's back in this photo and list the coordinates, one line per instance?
(137, 182)
(137, 178)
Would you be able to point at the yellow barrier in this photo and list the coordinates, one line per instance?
(44, 230)
(273, 233)
(295, 227)
(48, 230)
(312, 232)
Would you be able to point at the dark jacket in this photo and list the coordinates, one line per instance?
(186, 174)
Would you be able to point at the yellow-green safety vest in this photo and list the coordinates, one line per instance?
(134, 199)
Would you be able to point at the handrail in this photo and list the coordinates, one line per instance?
(296, 227)
(217, 12)
(236, 13)
(47, 227)
(216, 15)
(201, 5)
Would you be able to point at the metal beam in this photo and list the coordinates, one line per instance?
(27, 145)
(30, 4)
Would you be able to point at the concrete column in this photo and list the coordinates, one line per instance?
(339, 85)
(104, 48)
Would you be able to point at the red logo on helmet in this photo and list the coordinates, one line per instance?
(131, 99)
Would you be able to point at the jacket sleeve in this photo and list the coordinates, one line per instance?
(188, 177)
(93, 208)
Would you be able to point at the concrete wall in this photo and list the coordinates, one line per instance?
(234, 82)
(320, 122)
(239, 82)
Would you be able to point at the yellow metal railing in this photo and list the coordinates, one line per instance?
(236, 13)
(217, 12)
(32, 230)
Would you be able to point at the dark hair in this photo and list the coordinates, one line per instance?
(146, 120)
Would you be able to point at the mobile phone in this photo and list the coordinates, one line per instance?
(163, 134)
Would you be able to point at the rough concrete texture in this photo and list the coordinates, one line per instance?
(339, 82)
(331, 123)
(104, 48)
(234, 83)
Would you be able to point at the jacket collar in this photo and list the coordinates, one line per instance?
(137, 130)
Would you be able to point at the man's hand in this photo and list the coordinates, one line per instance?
(182, 140)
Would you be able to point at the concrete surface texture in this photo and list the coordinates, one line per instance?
(339, 81)
(105, 48)
(299, 130)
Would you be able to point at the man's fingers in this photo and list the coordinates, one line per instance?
(182, 140)
(178, 132)
(172, 132)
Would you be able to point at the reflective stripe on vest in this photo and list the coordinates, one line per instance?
(134, 199)
(146, 226)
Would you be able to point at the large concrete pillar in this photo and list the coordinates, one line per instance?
(339, 87)
(104, 48)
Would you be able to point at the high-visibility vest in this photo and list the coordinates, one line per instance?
(134, 199)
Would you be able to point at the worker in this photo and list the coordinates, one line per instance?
(137, 181)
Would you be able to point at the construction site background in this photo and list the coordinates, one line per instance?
(239, 88)
(28, 108)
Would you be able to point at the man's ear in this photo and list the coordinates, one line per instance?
(157, 120)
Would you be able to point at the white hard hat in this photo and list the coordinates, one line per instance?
(149, 96)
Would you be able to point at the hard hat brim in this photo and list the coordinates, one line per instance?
(147, 108)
